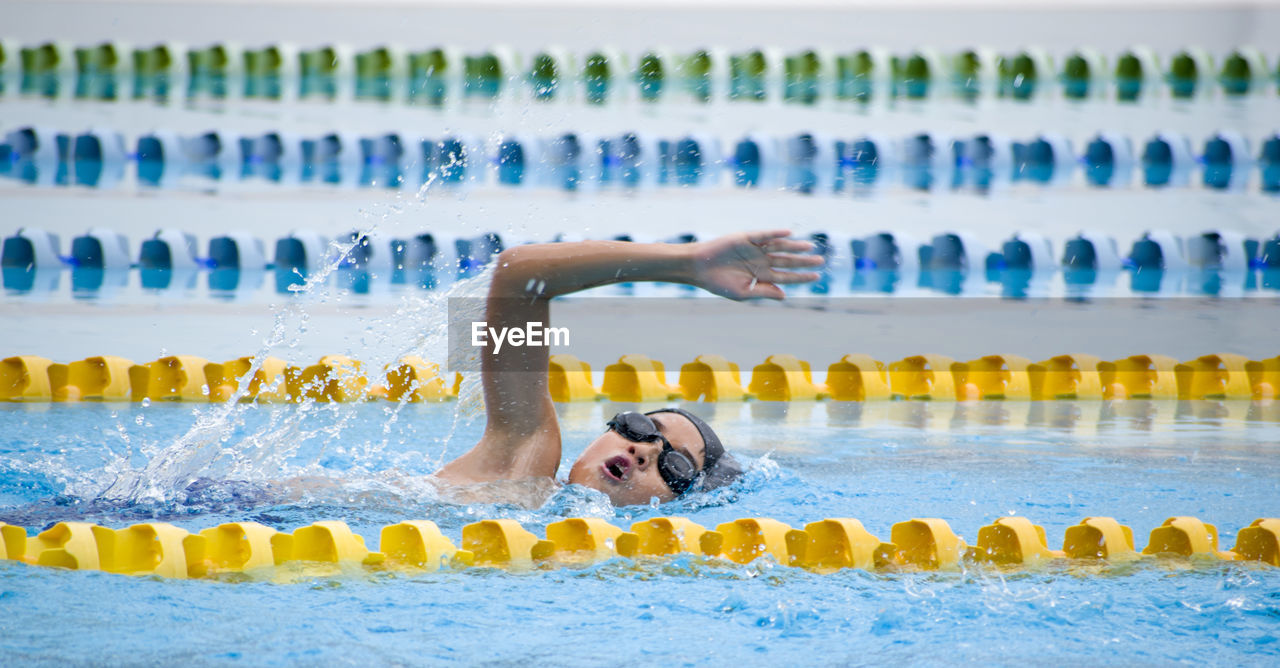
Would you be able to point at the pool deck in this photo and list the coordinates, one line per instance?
(820, 331)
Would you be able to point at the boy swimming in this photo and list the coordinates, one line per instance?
(661, 454)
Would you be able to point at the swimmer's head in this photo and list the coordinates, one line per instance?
(663, 453)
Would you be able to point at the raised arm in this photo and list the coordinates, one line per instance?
(522, 436)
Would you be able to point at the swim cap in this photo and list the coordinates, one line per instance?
(719, 468)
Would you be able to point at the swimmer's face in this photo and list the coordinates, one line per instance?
(628, 471)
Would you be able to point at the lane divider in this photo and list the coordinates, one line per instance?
(806, 163)
(919, 544)
(435, 75)
(640, 379)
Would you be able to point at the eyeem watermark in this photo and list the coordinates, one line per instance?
(533, 335)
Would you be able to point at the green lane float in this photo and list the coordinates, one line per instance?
(702, 74)
(1243, 71)
(600, 70)
(322, 71)
(430, 71)
(1187, 69)
(270, 71)
(546, 70)
(640, 379)
(437, 75)
(377, 72)
(43, 67)
(921, 544)
(99, 70)
(751, 74)
(651, 75)
(211, 71)
(156, 70)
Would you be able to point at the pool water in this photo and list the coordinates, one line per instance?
(933, 194)
(881, 463)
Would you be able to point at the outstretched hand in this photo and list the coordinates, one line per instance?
(749, 265)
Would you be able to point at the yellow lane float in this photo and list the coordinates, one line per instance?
(639, 379)
(412, 546)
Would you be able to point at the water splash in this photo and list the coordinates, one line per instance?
(216, 447)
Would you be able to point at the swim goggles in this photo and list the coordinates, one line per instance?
(675, 467)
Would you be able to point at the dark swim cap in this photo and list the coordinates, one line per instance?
(719, 468)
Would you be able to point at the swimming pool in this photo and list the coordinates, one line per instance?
(809, 463)
(292, 183)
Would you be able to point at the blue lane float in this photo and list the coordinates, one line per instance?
(1091, 262)
(1167, 160)
(1226, 161)
(989, 159)
(35, 155)
(1108, 160)
(1214, 262)
(415, 260)
(806, 162)
(380, 160)
(237, 261)
(98, 158)
(30, 260)
(1024, 264)
(1047, 159)
(331, 158)
(475, 252)
(811, 163)
(274, 156)
(161, 159)
(514, 160)
(168, 259)
(100, 261)
(1269, 164)
(1157, 261)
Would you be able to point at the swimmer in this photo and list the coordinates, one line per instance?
(664, 453)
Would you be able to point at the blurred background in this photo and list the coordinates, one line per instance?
(191, 165)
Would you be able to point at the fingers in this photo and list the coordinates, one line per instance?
(788, 246)
(791, 261)
(792, 277)
(764, 237)
(763, 290)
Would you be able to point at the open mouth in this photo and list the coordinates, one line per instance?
(618, 468)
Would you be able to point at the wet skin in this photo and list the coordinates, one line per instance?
(627, 471)
(522, 433)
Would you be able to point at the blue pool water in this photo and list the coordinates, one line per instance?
(288, 466)
(951, 225)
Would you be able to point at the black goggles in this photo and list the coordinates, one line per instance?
(675, 467)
